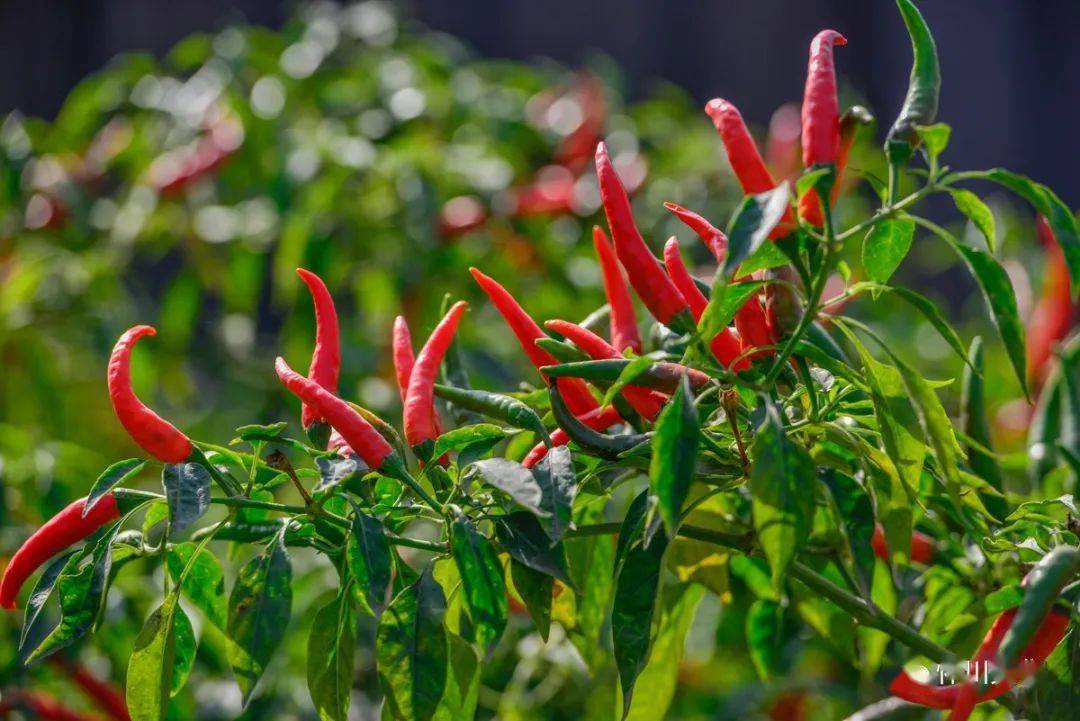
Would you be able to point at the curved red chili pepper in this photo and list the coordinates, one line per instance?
(713, 238)
(599, 419)
(922, 546)
(357, 432)
(62, 530)
(725, 346)
(624, 328)
(106, 696)
(154, 434)
(401, 350)
(742, 152)
(1052, 316)
(653, 286)
(421, 420)
(821, 108)
(646, 402)
(42, 705)
(326, 356)
(809, 207)
(573, 390)
(752, 322)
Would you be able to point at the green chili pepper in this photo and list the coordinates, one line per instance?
(495, 405)
(661, 376)
(1043, 586)
(973, 422)
(921, 104)
(563, 352)
(603, 445)
(1044, 428)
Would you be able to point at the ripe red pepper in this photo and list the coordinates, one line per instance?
(713, 238)
(551, 193)
(401, 350)
(573, 390)
(821, 108)
(62, 530)
(809, 206)
(1051, 319)
(742, 152)
(646, 402)
(653, 286)
(574, 151)
(922, 546)
(42, 705)
(599, 419)
(754, 328)
(175, 170)
(725, 346)
(357, 432)
(326, 356)
(421, 419)
(624, 328)
(106, 696)
(154, 434)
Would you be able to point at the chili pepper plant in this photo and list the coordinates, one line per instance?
(738, 438)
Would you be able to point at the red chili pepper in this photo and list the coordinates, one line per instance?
(551, 193)
(752, 322)
(742, 152)
(326, 356)
(653, 286)
(624, 328)
(62, 530)
(821, 108)
(922, 546)
(725, 346)
(599, 419)
(154, 434)
(782, 142)
(177, 169)
(336, 444)
(646, 402)
(421, 420)
(42, 705)
(573, 390)
(713, 238)
(574, 151)
(401, 350)
(357, 432)
(106, 696)
(1052, 316)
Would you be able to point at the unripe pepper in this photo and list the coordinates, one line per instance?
(420, 418)
(921, 104)
(62, 530)
(527, 331)
(326, 356)
(624, 328)
(821, 108)
(154, 434)
(650, 282)
(725, 346)
(357, 432)
(646, 402)
(599, 419)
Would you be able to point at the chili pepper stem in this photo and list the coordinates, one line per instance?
(228, 484)
(894, 183)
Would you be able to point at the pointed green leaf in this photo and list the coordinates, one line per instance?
(754, 220)
(330, 655)
(977, 212)
(675, 447)
(481, 579)
(368, 555)
(535, 589)
(160, 660)
(113, 476)
(204, 583)
(187, 491)
(886, 246)
(558, 481)
(521, 536)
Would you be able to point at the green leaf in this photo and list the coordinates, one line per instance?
(187, 491)
(558, 481)
(335, 471)
(522, 536)
(726, 299)
(754, 220)
(368, 556)
(675, 447)
(925, 306)
(977, 212)
(591, 562)
(935, 138)
(514, 480)
(886, 246)
(974, 424)
(204, 584)
(633, 369)
(769, 255)
(535, 589)
(636, 587)
(655, 687)
(1045, 428)
(1043, 584)
(160, 660)
(462, 683)
(856, 512)
(460, 438)
(808, 180)
(781, 476)
(330, 655)
(113, 476)
(39, 596)
(481, 579)
(764, 637)
(259, 609)
(411, 650)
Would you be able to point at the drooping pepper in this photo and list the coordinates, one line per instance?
(420, 418)
(624, 328)
(646, 402)
(821, 108)
(1051, 318)
(401, 350)
(326, 356)
(650, 282)
(921, 103)
(599, 419)
(154, 434)
(725, 346)
(527, 331)
(360, 435)
(62, 530)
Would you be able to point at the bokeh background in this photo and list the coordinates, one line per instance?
(388, 148)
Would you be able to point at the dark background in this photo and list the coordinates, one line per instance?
(1011, 67)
